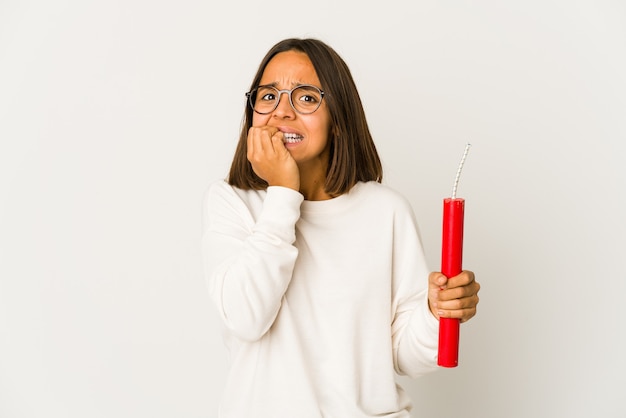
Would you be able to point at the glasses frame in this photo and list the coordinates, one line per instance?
(250, 94)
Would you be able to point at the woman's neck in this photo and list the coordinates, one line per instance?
(313, 189)
(312, 182)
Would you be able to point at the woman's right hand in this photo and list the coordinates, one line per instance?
(270, 159)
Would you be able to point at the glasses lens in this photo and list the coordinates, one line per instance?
(306, 99)
(264, 99)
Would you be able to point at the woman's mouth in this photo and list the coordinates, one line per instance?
(291, 138)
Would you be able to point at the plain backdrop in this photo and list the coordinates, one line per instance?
(115, 115)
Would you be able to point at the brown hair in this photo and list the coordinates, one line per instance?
(353, 156)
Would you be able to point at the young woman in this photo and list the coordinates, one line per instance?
(315, 266)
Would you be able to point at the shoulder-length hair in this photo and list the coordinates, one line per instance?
(353, 156)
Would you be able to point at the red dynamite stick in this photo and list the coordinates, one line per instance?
(451, 262)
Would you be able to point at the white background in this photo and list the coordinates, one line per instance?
(115, 115)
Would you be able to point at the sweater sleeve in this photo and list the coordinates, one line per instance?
(415, 331)
(248, 263)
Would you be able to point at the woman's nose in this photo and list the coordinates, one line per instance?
(284, 107)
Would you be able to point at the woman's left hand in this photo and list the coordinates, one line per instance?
(454, 297)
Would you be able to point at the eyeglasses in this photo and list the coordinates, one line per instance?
(304, 99)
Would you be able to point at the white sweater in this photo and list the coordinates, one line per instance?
(322, 302)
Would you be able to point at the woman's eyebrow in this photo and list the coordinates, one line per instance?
(275, 84)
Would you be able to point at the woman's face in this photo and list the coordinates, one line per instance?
(307, 138)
